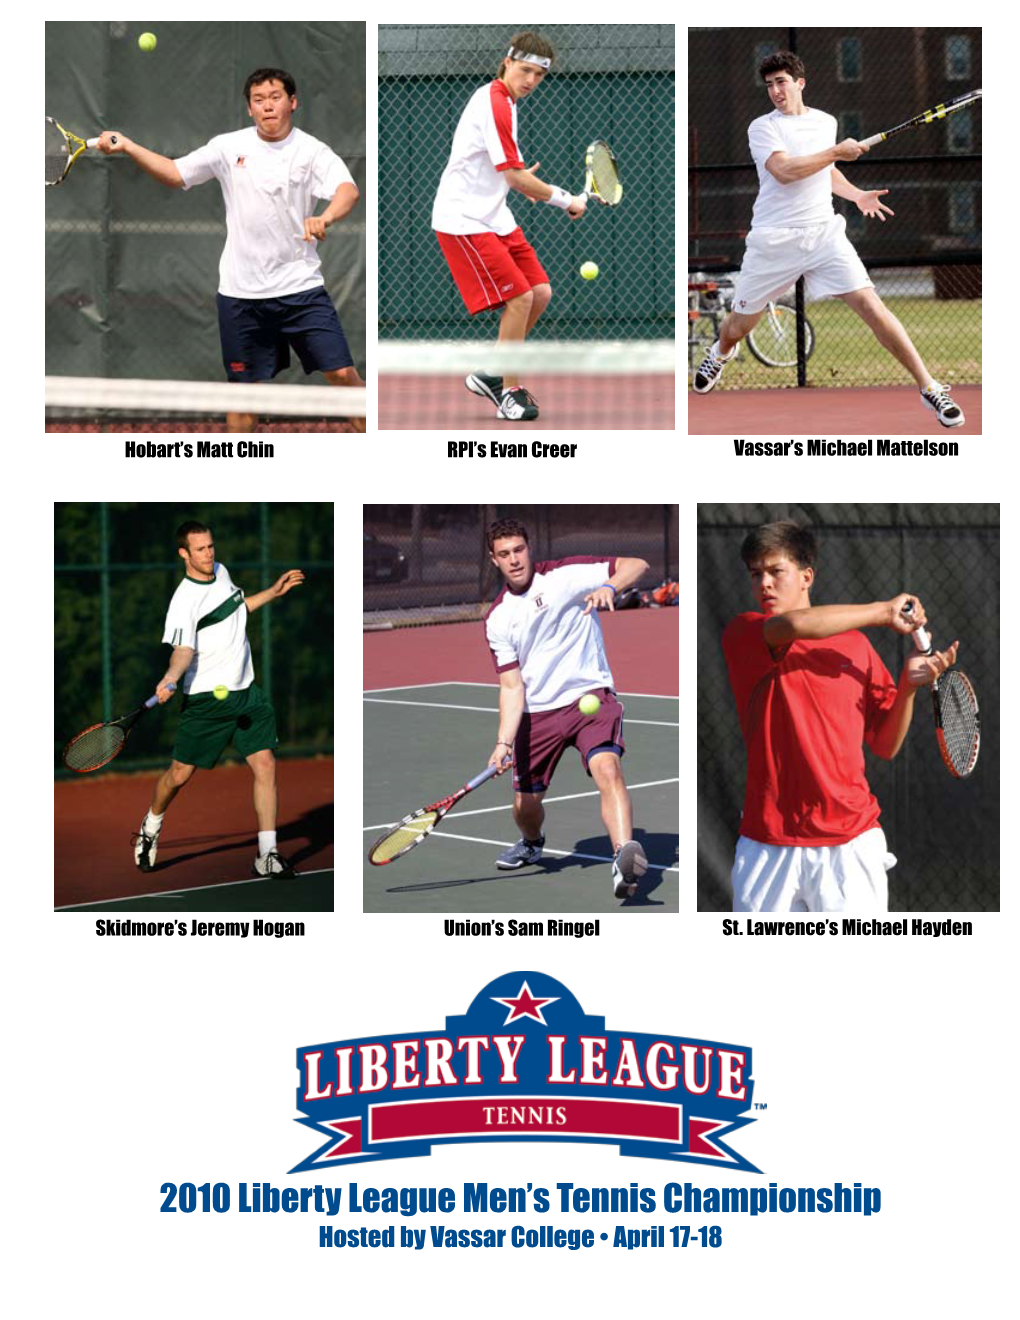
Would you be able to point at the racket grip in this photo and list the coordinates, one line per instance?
(94, 142)
(921, 639)
(872, 141)
(154, 698)
(487, 773)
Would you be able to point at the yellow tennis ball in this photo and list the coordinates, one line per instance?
(147, 41)
(589, 270)
(221, 692)
(588, 704)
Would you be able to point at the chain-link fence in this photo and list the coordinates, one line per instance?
(612, 81)
(925, 262)
(116, 569)
(944, 831)
(424, 563)
(132, 267)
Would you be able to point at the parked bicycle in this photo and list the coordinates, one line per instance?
(773, 341)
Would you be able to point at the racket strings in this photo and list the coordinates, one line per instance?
(960, 723)
(603, 172)
(406, 835)
(56, 153)
(94, 747)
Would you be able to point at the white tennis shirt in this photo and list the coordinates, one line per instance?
(269, 189)
(211, 617)
(471, 198)
(791, 205)
(545, 632)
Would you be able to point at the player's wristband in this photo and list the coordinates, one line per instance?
(500, 742)
(610, 586)
(560, 197)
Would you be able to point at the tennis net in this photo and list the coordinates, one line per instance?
(580, 385)
(82, 403)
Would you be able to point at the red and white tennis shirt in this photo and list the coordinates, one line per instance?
(546, 634)
(806, 714)
(471, 198)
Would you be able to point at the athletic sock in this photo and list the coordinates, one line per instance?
(267, 841)
(151, 824)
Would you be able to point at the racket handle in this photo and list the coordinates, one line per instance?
(487, 773)
(154, 698)
(872, 141)
(94, 142)
(921, 639)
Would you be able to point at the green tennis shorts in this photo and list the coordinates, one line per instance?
(207, 725)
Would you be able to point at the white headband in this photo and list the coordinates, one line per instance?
(542, 61)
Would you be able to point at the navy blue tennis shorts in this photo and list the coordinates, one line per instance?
(257, 335)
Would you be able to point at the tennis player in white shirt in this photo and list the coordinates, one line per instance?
(795, 232)
(272, 297)
(546, 644)
(492, 263)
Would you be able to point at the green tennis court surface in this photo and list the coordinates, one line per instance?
(309, 892)
(422, 743)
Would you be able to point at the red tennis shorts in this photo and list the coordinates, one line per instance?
(488, 269)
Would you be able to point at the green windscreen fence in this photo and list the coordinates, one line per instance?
(611, 81)
(131, 265)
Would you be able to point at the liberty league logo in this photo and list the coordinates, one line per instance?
(525, 1063)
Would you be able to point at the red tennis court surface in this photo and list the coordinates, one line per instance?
(893, 410)
(642, 647)
(644, 401)
(208, 836)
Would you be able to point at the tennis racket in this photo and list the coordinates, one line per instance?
(97, 745)
(62, 150)
(926, 117)
(957, 718)
(601, 177)
(420, 824)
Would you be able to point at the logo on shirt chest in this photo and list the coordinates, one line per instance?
(540, 604)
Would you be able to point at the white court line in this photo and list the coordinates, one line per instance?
(508, 806)
(183, 893)
(463, 682)
(491, 710)
(556, 852)
(413, 687)
(494, 687)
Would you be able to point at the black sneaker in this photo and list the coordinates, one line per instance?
(489, 387)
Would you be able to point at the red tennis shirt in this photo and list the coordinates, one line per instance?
(806, 715)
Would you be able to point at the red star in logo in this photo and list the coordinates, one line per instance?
(525, 1005)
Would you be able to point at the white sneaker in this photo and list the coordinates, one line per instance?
(947, 410)
(145, 847)
(707, 375)
(272, 864)
(629, 865)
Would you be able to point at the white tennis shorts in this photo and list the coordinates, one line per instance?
(844, 877)
(774, 259)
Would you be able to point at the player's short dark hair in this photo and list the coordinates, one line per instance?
(187, 529)
(505, 527)
(782, 61)
(798, 543)
(270, 75)
(532, 44)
